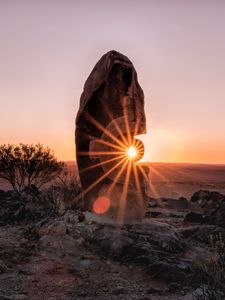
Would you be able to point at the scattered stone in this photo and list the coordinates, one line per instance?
(152, 203)
(194, 217)
(96, 256)
(212, 205)
(208, 200)
(153, 214)
(176, 204)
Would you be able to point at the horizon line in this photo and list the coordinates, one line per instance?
(166, 162)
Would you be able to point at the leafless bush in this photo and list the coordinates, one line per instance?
(25, 165)
(65, 191)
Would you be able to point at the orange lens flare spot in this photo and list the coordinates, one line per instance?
(101, 205)
(131, 152)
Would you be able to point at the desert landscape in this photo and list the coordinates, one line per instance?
(112, 150)
(67, 253)
(182, 180)
(175, 179)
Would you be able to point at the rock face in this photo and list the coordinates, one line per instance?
(111, 113)
(157, 246)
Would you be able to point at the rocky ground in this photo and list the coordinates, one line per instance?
(77, 255)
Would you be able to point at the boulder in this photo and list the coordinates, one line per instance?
(194, 217)
(208, 200)
(212, 205)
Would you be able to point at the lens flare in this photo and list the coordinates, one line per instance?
(101, 205)
(131, 152)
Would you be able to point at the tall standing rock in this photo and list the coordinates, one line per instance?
(111, 113)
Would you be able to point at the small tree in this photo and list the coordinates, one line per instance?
(22, 165)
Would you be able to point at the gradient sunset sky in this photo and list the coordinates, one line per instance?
(48, 48)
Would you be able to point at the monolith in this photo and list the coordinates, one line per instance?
(110, 115)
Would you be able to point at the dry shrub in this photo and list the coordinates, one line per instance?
(64, 194)
(24, 165)
(212, 271)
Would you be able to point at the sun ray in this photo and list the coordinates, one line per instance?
(117, 178)
(120, 133)
(113, 120)
(143, 172)
(153, 189)
(123, 197)
(154, 170)
(104, 130)
(102, 141)
(175, 170)
(138, 186)
(99, 179)
(137, 145)
(110, 144)
(149, 181)
(138, 148)
(95, 153)
(100, 164)
(122, 144)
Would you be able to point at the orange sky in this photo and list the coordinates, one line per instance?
(48, 49)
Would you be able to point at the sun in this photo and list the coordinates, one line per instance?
(131, 152)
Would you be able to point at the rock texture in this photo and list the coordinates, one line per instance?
(211, 207)
(111, 113)
(81, 255)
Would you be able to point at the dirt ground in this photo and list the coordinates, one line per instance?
(53, 261)
(30, 272)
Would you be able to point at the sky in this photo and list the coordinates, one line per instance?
(49, 47)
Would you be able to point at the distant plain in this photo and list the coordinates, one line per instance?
(174, 180)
